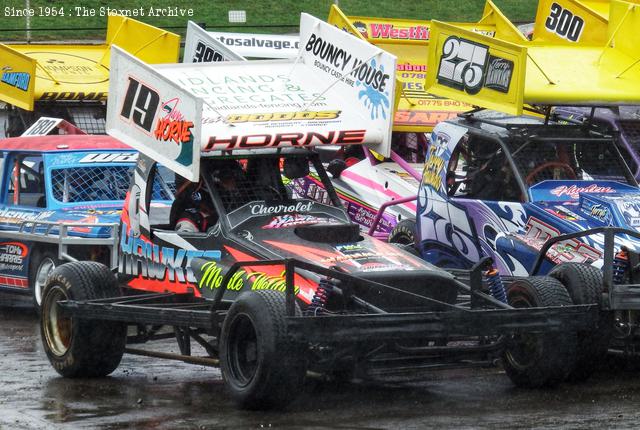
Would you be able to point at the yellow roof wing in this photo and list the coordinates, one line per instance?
(416, 110)
(571, 22)
(476, 69)
(463, 65)
(16, 82)
(81, 72)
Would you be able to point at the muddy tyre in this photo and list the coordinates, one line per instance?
(585, 286)
(41, 264)
(404, 233)
(261, 367)
(81, 347)
(535, 360)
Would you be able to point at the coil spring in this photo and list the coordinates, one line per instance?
(496, 287)
(620, 265)
(320, 297)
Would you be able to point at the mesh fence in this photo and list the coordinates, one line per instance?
(91, 119)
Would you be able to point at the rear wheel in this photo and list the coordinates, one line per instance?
(585, 286)
(261, 367)
(80, 347)
(531, 359)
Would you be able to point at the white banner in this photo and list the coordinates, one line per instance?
(201, 47)
(364, 75)
(259, 45)
(154, 115)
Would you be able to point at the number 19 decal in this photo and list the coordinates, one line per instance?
(462, 64)
(140, 104)
(564, 23)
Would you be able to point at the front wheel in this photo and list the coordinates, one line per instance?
(538, 359)
(404, 233)
(261, 367)
(585, 286)
(42, 263)
(78, 347)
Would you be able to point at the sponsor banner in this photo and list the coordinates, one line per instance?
(338, 93)
(81, 72)
(258, 45)
(17, 78)
(154, 115)
(476, 69)
(569, 22)
(362, 73)
(201, 47)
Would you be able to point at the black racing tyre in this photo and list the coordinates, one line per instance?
(81, 347)
(261, 367)
(404, 233)
(535, 360)
(41, 263)
(585, 286)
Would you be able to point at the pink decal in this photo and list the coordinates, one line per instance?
(375, 186)
(573, 191)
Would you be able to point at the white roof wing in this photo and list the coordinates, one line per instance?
(201, 47)
(338, 91)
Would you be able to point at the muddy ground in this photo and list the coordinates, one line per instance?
(150, 393)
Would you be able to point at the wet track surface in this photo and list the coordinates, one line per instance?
(152, 393)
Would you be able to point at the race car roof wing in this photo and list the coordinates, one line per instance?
(201, 47)
(253, 45)
(337, 91)
(51, 126)
(46, 72)
(491, 73)
(416, 110)
(573, 21)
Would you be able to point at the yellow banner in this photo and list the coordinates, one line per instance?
(81, 72)
(476, 69)
(17, 78)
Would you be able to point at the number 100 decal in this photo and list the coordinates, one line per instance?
(467, 66)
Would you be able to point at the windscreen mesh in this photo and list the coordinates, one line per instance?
(87, 184)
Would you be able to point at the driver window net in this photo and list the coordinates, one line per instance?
(587, 160)
(238, 182)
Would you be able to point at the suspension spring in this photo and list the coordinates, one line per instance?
(620, 266)
(496, 287)
(321, 296)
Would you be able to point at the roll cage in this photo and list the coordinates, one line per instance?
(508, 136)
(250, 189)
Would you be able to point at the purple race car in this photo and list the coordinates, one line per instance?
(537, 198)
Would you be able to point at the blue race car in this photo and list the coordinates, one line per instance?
(60, 200)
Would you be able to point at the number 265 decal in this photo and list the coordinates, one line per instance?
(462, 64)
(467, 66)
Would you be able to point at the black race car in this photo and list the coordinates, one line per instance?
(273, 286)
